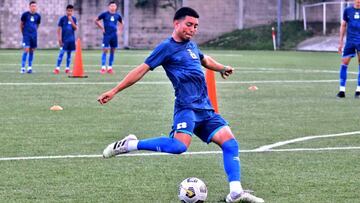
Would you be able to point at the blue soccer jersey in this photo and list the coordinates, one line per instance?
(110, 21)
(352, 17)
(31, 22)
(182, 64)
(67, 31)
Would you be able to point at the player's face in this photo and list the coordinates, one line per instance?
(69, 12)
(186, 28)
(357, 3)
(32, 8)
(112, 8)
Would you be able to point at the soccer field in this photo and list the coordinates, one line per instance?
(298, 142)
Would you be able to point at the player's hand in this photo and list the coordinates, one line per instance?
(70, 18)
(106, 97)
(228, 70)
(340, 48)
(60, 43)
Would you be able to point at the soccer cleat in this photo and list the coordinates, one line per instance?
(243, 197)
(357, 95)
(56, 71)
(341, 94)
(119, 147)
(110, 71)
(103, 71)
(29, 71)
(67, 71)
(22, 71)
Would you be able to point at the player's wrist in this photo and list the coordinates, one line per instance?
(224, 69)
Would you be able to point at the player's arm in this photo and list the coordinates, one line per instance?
(58, 31)
(98, 24)
(131, 78)
(342, 35)
(22, 27)
(211, 64)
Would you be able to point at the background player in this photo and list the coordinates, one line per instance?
(66, 37)
(351, 25)
(111, 22)
(193, 113)
(30, 21)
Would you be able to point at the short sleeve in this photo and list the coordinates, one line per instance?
(101, 16)
(60, 22)
(345, 15)
(201, 55)
(23, 17)
(120, 18)
(157, 57)
(39, 19)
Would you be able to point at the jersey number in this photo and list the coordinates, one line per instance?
(192, 54)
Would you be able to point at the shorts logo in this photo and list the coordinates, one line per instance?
(192, 54)
(181, 125)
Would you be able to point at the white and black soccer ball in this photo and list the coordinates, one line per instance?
(192, 190)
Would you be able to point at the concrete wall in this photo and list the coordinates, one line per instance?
(147, 25)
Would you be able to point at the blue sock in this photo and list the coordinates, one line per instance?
(111, 58)
(103, 59)
(162, 144)
(230, 150)
(23, 59)
(343, 75)
(31, 57)
(68, 59)
(359, 76)
(60, 57)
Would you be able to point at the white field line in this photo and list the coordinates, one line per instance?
(120, 53)
(301, 139)
(165, 82)
(184, 154)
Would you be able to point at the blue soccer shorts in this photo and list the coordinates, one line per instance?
(110, 41)
(29, 41)
(202, 123)
(350, 49)
(69, 46)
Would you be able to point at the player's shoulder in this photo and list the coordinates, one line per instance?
(349, 8)
(25, 13)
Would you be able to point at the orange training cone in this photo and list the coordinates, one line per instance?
(211, 87)
(78, 71)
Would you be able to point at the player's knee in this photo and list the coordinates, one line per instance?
(230, 145)
(178, 147)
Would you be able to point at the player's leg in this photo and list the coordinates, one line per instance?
(70, 47)
(113, 44)
(106, 47)
(26, 45)
(59, 60)
(177, 143)
(357, 91)
(31, 58)
(348, 53)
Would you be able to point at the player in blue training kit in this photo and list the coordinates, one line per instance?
(351, 25)
(193, 113)
(66, 37)
(30, 21)
(111, 21)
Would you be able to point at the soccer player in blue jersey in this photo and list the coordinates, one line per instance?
(351, 26)
(30, 21)
(193, 113)
(66, 37)
(112, 21)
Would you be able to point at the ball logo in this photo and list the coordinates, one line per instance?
(190, 192)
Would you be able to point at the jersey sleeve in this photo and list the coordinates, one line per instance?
(23, 17)
(120, 19)
(60, 22)
(101, 16)
(39, 19)
(345, 15)
(157, 57)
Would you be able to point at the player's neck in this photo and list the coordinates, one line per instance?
(177, 39)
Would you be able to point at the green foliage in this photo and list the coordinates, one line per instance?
(260, 38)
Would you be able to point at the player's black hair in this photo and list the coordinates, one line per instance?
(69, 7)
(185, 11)
(32, 2)
(111, 2)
